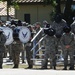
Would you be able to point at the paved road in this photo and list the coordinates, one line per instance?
(34, 72)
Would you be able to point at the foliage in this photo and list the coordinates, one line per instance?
(53, 3)
(11, 3)
(52, 15)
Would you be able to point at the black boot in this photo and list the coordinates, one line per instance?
(65, 68)
(44, 67)
(0, 66)
(54, 67)
(15, 66)
(29, 67)
(71, 68)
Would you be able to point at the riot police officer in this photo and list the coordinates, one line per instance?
(28, 48)
(50, 49)
(17, 47)
(67, 41)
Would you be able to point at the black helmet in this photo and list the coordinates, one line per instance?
(16, 34)
(49, 31)
(16, 30)
(47, 25)
(67, 29)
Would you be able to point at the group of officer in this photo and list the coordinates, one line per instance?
(57, 34)
(14, 48)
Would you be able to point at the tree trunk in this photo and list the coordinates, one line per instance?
(7, 13)
(68, 16)
(58, 7)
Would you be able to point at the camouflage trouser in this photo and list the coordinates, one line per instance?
(29, 55)
(15, 56)
(1, 59)
(65, 55)
(17, 47)
(8, 50)
(49, 54)
(57, 46)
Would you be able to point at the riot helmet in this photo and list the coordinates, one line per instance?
(67, 29)
(16, 34)
(49, 31)
(47, 25)
(13, 22)
(19, 23)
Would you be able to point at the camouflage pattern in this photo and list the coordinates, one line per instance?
(28, 48)
(17, 47)
(73, 27)
(50, 51)
(59, 27)
(59, 31)
(2, 48)
(68, 39)
(8, 50)
(29, 54)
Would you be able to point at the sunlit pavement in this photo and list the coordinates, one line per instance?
(34, 72)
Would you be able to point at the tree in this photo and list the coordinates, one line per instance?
(56, 7)
(9, 4)
(68, 13)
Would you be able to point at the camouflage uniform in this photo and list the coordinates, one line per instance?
(17, 47)
(8, 50)
(29, 54)
(59, 30)
(28, 48)
(2, 48)
(68, 39)
(50, 52)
